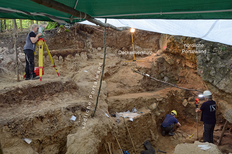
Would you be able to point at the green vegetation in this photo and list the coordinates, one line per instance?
(51, 25)
(25, 24)
(7, 24)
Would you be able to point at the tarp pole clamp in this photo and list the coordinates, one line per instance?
(71, 19)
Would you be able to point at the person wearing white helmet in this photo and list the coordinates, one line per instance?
(169, 123)
(208, 116)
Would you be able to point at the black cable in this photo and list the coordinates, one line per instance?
(164, 81)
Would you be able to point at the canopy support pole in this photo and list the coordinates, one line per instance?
(103, 66)
(15, 47)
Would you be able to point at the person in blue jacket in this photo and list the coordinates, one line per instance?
(169, 123)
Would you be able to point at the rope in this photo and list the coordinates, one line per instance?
(103, 66)
(164, 81)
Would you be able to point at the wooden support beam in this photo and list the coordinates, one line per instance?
(4, 24)
(109, 145)
(223, 131)
(106, 148)
(21, 25)
(15, 47)
(129, 135)
(1, 25)
(1, 151)
(64, 8)
(112, 146)
(118, 144)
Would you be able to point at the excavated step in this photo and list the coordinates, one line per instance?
(46, 125)
(33, 91)
(41, 111)
(127, 102)
(33, 110)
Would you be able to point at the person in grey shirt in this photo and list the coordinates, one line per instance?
(29, 49)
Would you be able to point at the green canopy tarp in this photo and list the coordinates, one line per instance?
(120, 9)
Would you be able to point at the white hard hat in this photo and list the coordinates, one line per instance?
(207, 93)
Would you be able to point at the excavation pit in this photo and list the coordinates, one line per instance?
(42, 111)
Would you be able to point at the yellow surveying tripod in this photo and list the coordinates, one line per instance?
(40, 43)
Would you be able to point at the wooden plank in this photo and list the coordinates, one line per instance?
(223, 131)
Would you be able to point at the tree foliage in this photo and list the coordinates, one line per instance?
(7, 24)
(51, 25)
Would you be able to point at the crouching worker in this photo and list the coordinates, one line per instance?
(169, 123)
